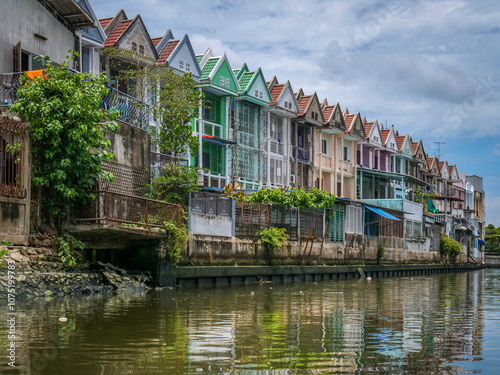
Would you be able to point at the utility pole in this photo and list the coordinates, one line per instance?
(439, 148)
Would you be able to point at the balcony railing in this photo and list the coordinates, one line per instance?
(346, 166)
(276, 147)
(130, 110)
(301, 154)
(9, 83)
(115, 208)
(326, 161)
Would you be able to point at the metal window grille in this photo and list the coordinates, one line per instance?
(11, 159)
(336, 226)
(354, 219)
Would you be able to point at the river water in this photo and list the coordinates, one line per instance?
(446, 324)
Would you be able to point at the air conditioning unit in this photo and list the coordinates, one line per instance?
(292, 178)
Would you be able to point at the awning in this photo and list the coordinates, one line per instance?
(481, 242)
(217, 140)
(381, 212)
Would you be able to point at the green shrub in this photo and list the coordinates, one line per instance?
(449, 247)
(175, 241)
(273, 238)
(380, 251)
(65, 246)
(2, 253)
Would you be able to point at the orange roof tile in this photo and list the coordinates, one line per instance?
(349, 121)
(440, 165)
(450, 169)
(401, 140)
(368, 128)
(105, 21)
(385, 135)
(156, 40)
(276, 92)
(167, 51)
(303, 102)
(327, 112)
(117, 33)
(414, 146)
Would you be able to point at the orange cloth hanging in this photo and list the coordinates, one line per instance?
(35, 73)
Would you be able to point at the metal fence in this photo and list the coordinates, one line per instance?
(251, 218)
(211, 204)
(311, 223)
(285, 218)
(9, 83)
(110, 207)
(12, 148)
(130, 110)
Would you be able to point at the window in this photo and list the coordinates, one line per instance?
(346, 153)
(188, 67)
(227, 82)
(324, 146)
(141, 49)
(222, 81)
(181, 65)
(261, 94)
(134, 46)
(256, 93)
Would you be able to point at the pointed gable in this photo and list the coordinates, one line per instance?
(310, 109)
(354, 126)
(132, 31)
(179, 55)
(334, 120)
(373, 135)
(454, 176)
(282, 96)
(217, 73)
(389, 139)
(95, 32)
(239, 72)
(253, 86)
(419, 153)
(443, 169)
(202, 59)
(109, 24)
(404, 145)
(434, 165)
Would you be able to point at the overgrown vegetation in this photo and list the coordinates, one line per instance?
(176, 240)
(273, 238)
(67, 126)
(380, 252)
(66, 245)
(449, 248)
(299, 198)
(3, 252)
(174, 183)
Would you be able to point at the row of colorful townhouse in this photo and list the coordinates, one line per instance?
(262, 133)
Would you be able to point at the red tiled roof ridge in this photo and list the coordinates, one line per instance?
(276, 92)
(327, 112)
(156, 40)
(385, 134)
(105, 21)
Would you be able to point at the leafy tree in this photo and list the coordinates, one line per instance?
(492, 239)
(67, 126)
(450, 248)
(173, 98)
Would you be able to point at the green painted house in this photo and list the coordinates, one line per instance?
(219, 84)
(250, 120)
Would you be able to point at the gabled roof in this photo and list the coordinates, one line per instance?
(253, 85)
(354, 125)
(117, 33)
(401, 140)
(172, 49)
(419, 153)
(205, 57)
(105, 21)
(239, 72)
(333, 116)
(156, 40)
(109, 24)
(310, 108)
(210, 67)
(368, 128)
(282, 96)
(434, 165)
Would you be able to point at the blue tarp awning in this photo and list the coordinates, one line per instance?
(481, 242)
(381, 212)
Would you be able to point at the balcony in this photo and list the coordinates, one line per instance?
(397, 204)
(130, 110)
(112, 208)
(326, 162)
(301, 154)
(345, 166)
(276, 147)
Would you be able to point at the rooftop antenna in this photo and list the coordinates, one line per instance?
(439, 148)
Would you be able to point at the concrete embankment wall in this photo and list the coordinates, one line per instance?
(492, 261)
(204, 249)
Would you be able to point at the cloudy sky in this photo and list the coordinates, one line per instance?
(429, 67)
